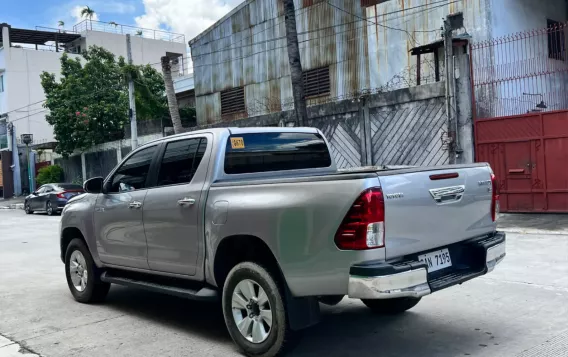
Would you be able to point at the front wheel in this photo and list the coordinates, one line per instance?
(28, 209)
(254, 311)
(83, 277)
(391, 306)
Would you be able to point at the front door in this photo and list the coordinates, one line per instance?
(118, 212)
(172, 208)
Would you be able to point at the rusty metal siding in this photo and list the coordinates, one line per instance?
(389, 49)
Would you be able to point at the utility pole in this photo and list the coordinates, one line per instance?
(451, 23)
(296, 73)
(131, 99)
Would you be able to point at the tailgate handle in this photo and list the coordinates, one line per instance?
(516, 171)
(447, 194)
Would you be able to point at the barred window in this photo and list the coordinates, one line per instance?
(233, 101)
(556, 40)
(316, 82)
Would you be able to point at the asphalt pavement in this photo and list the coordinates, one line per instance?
(520, 309)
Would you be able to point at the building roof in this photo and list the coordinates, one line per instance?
(36, 37)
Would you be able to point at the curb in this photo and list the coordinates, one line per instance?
(563, 232)
(13, 206)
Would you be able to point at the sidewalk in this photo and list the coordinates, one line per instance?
(12, 203)
(534, 223)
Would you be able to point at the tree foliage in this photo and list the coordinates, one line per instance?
(88, 105)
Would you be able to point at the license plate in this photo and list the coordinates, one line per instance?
(436, 260)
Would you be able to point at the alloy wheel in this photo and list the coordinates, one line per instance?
(251, 311)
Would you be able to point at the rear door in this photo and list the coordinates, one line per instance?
(172, 208)
(431, 209)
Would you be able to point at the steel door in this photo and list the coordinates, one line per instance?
(529, 155)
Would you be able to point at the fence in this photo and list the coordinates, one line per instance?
(111, 27)
(521, 73)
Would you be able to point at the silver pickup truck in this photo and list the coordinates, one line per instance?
(261, 219)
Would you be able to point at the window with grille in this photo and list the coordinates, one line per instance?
(316, 82)
(556, 40)
(233, 101)
(367, 3)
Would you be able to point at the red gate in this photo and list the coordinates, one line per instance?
(529, 155)
(520, 86)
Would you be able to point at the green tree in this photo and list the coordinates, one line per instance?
(49, 174)
(89, 104)
(87, 12)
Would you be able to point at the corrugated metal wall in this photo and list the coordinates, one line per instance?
(365, 48)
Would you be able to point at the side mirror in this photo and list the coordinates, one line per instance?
(94, 185)
(34, 193)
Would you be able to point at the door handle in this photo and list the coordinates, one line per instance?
(135, 204)
(186, 201)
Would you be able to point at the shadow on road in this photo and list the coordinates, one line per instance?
(348, 329)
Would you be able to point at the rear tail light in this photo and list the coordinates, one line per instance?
(61, 195)
(364, 225)
(494, 198)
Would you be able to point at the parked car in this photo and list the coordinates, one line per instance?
(261, 219)
(51, 198)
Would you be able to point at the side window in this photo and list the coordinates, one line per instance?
(133, 172)
(41, 190)
(48, 189)
(181, 160)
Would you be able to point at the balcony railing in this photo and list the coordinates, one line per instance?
(110, 27)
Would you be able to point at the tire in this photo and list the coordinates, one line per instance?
(391, 306)
(28, 209)
(49, 208)
(87, 289)
(277, 337)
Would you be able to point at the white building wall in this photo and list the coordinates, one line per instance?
(23, 90)
(512, 16)
(22, 69)
(144, 50)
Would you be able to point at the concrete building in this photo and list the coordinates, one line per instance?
(185, 90)
(241, 64)
(25, 54)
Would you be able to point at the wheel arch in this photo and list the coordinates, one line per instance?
(302, 312)
(67, 235)
(236, 249)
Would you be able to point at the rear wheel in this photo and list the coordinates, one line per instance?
(254, 311)
(49, 209)
(83, 277)
(391, 306)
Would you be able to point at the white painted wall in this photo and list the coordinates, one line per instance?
(22, 68)
(144, 50)
(511, 16)
(23, 90)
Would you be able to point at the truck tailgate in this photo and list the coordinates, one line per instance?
(424, 210)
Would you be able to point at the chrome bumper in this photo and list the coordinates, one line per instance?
(414, 282)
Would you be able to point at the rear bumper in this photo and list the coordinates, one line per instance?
(410, 278)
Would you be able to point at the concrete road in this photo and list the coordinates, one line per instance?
(519, 310)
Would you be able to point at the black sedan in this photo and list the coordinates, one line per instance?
(51, 198)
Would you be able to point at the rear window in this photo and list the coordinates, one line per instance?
(68, 186)
(263, 152)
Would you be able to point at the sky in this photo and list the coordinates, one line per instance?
(189, 17)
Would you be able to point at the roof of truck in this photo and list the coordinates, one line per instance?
(236, 130)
